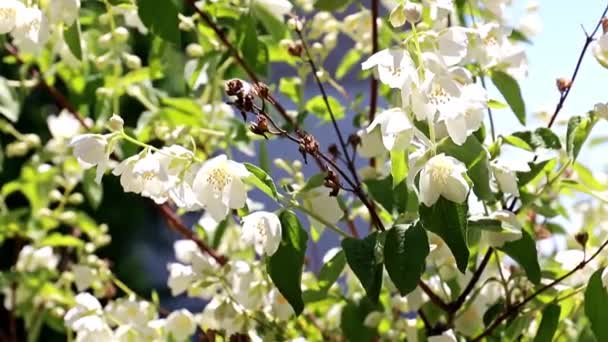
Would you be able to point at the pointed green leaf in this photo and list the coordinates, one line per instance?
(72, 39)
(596, 302)
(92, 190)
(449, 220)
(261, 180)
(361, 257)
(509, 88)
(405, 252)
(548, 324)
(579, 129)
(285, 266)
(353, 318)
(540, 138)
(398, 167)
(160, 16)
(524, 252)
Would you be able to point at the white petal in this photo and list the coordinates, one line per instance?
(456, 189)
(429, 194)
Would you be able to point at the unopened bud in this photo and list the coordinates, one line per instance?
(32, 140)
(295, 49)
(322, 75)
(397, 16)
(105, 18)
(317, 47)
(121, 34)
(102, 61)
(194, 50)
(295, 24)
(105, 40)
(68, 217)
(55, 195)
(605, 25)
(17, 149)
(282, 164)
(132, 61)
(413, 12)
(116, 123)
(582, 238)
(563, 84)
(186, 23)
(103, 91)
(76, 198)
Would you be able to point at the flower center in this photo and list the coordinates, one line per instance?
(438, 95)
(7, 14)
(261, 227)
(219, 178)
(441, 171)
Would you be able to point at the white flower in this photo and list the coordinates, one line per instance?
(278, 8)
(278, 306)
(494, 49)
(506, 174)
(443, 176)
(90, 150)
(9, 11)
(86, 305)
(371, 143)
(180, 278)
(131, 312)
(154, 177)
(248, 286)
(512, 229)
(263, 230)
(600, 50)
(396, 129)
(130, 181)
(92, 328)
(605, 278)
(453, 43)
(395, 67)
(64, 125)
(447, 336)
(65, 11)
(319, 202)
(31, 30)
(31, 259)
(84, 276)
(601, 110)
(185, 250)
(180, 324)
(219, 186)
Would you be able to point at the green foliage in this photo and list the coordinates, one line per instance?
(285, 266)
(329, 274)
(449, 220)
(317, 106)
(596, 302)
(579, 129)
(331, 5)
(542, 137)
(361, 258)
(509, 88)
(548, 325)
(261, 180)
(524, 252)
(73, 39)
(160, 16)
(405, 252)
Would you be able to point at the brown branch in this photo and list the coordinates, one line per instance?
(240, 61)
(514, 310)
(435, 299)
(373, 85)
(457, 304)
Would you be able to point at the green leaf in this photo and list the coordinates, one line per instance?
(405, 252)
(596, 302)
(495, 104)
(331, 5)
(348, 61)
(92, 190)
(586, 177)
(329, 274)
(352, 319)
(160, 16)
(261, 180)
(541, 137)
(524, 178)
(290, 87)
(72, 39)
(60, 240)
(314, 182)
(276, 28)
(487, 224)
(398, 167)
(579, 129)
(548, 324)
(509, 88)
(264, 159)
(524, 252)
(390, 198)
(449, 220)
(317, 106)
(361, 257)
(252, 50)
(285, 265)
(474, 155)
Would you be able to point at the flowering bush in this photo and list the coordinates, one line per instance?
(440, 219)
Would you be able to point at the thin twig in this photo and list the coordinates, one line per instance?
(435, 299)
(373, 84)
(457, 304)
(490, 115)
(514, 310)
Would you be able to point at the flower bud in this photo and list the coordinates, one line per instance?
(121, 34)
(76, 198)
(397, 16)
(186, 23)
(194, 50)
(317, 48)
(32, 140)
(102, 61)
(116, 123)
(605, 25)
(282, 164)
(413, 12)
(68, 217)
(17, 149)
(297, 165)
(105, 18)
(582, 238)
(132, 61)
(295, 24)
(55, 195)
(105, 40)
(103, 91)
(563, 84)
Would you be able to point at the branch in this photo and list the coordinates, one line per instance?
(514, 310)
(240, 61)
(435, 299)
(373, 85)
(563, 95)
(457, 304)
